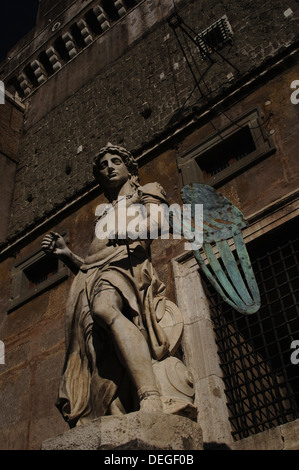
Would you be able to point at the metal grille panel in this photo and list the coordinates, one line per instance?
(262, 384)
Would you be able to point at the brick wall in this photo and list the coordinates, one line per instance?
(11, 121)
(70, 111)
(58, 147)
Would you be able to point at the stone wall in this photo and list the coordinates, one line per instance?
(33, 334)
(129, 93)
(284, 437)
(11, 122)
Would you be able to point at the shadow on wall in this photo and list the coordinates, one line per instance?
(215, 446)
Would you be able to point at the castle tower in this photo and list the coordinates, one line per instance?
(198, 92)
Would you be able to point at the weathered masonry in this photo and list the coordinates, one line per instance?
(198, 92)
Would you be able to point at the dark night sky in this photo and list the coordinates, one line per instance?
(17, 17)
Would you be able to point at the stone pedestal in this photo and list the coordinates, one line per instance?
(134, 431)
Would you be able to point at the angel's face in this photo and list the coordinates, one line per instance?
(112, 171)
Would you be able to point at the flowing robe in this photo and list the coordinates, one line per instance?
(93, 377)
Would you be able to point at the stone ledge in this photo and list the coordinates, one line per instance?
(134, 431)
(283, 437)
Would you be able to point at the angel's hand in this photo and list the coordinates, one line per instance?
(54, 244)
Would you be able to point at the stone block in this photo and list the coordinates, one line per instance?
(134, 431)
(70, 45)
(85, 32)
(120, 6)
(53, 58)
(38, 71)
(290, 435)
(267, 440)
(24, 83)
(102, 18)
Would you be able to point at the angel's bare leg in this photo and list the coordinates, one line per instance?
(130, 346)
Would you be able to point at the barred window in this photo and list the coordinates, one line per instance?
(34, 275)
(214, 37)
(262, 384)
(227, 153)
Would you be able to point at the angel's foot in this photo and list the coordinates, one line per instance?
(150, 400)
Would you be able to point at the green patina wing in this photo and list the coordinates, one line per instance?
(229, 272)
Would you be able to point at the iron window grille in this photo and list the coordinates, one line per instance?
(261, 383)
(229, 152)
(214, 37)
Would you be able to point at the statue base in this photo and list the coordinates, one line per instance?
(133, 431)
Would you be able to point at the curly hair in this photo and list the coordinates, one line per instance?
(125, 155)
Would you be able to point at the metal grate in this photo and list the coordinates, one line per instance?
(262, 384)
(214, 37)
(227, 152)
(41, 270)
